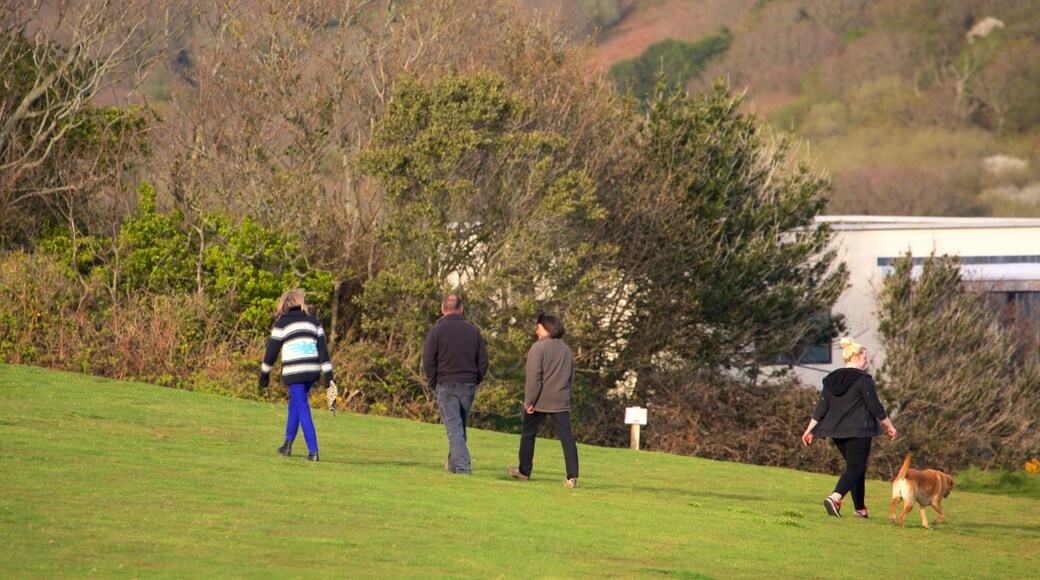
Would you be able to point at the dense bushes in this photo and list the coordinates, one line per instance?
(962, 388)
(59, 321)
(160, 301)
(727, 420)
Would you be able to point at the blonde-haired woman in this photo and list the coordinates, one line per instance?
(300, 339)
(850, 413)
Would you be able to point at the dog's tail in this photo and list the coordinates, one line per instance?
(902, 470)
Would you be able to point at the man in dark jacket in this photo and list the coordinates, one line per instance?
(455, 361)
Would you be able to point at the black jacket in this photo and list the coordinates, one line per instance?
(849, 406)
(454, 352)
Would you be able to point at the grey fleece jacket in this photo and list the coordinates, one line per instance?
(550, 374)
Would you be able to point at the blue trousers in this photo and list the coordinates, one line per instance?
(455, 401)
(300, 416)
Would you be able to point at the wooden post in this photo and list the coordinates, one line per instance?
(635, 416)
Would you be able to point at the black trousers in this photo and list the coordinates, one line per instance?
(529, 432)
(855, 451)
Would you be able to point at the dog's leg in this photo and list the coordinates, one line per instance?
(907, 506)
(938, 507)
(924, 518)
(892, 509)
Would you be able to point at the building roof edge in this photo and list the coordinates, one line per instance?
(889, 222)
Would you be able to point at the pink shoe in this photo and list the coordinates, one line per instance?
(860, 513)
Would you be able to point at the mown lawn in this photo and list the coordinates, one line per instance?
(113, 479)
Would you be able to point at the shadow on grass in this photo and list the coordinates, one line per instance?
(988, 528)
(692, 494)
(388, 462)
(664, 572)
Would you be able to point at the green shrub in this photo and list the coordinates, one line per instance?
(677, 61)
(154, 303)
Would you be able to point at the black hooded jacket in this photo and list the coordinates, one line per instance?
(849, 406)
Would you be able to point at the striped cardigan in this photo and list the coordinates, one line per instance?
(300, 339)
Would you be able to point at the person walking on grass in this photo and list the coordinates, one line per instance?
(300, 339)
(851, 414)
(455, 361)
(547, 393)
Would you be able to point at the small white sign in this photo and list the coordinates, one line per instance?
(635, 416)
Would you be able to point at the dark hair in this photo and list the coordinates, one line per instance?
(451, 303)
(552, 324)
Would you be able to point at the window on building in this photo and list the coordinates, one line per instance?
(816, 350)
(1015, 307)
(808, 354)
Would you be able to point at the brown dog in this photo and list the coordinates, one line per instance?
(928, 488)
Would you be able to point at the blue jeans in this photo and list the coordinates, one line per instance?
(455, 401)
(300, 416)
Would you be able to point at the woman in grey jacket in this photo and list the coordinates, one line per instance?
(849, 412)
(547, 392)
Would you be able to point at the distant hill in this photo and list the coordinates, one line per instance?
(916, 107)
(920, 107)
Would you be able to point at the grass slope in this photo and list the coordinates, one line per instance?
(125, 479)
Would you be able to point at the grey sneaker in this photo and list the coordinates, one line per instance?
(572, 482)
(515, 474)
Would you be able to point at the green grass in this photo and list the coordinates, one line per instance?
(1017, 483)
(129, 480)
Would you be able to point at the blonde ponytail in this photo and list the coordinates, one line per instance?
(850, 348)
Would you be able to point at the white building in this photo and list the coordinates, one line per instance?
(996, 254)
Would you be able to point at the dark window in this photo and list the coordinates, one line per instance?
(808, 354)
(1018, 312)
(1013, 308)
(816, 349)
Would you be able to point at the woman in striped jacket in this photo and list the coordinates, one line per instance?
(300, 339)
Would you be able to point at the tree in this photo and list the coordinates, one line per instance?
(722, 265)
(271, 102)
(953, 387)
(59, 152)
(1005, 84)
(478, 196)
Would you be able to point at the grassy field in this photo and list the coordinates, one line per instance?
(112, 479)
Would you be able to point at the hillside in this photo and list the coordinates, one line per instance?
(919, 108)
(126, 479)
(914, 107)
